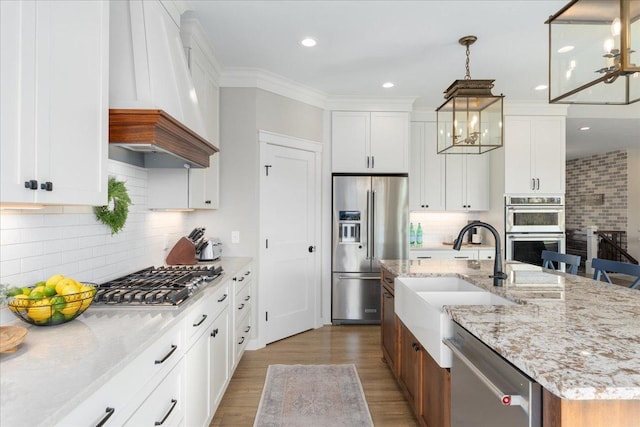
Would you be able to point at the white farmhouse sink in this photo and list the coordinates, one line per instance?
(435, 284)
(419, 302)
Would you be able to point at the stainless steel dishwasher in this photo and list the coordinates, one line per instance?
(486, 390)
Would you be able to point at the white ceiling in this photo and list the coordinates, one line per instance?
(362, 44)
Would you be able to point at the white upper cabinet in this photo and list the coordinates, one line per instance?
(467, 182)
(54, 85)
(370, 142)
(426, 169)
(535, 154)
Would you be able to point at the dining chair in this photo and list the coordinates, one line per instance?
(602, 266)
(571, 262)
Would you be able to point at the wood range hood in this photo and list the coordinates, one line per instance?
(160, 138)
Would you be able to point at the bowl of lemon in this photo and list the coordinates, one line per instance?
(58, 300)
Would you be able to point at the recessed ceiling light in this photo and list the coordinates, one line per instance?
(308, 42)
(585, 128)
(540, 87)
(387, 85)
(565, 49)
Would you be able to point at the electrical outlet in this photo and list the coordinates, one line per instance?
(235, 237)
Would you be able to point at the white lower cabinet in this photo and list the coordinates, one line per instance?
(120, 397)
(181, 377)
(166, 404)
(219, 355)
(242, 319)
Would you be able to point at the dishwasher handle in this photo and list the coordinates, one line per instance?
(505, 398)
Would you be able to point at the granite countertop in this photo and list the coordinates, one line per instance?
(577, 337)
(57, 367)
(431, 246)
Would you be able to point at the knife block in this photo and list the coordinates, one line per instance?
(182, 253)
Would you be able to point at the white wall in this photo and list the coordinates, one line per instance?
(35, 244)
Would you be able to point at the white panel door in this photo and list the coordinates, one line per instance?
(289, 211)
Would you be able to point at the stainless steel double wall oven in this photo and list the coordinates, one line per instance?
(533, 224)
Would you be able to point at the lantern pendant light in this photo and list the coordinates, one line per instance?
(470, 120)
(594, 53)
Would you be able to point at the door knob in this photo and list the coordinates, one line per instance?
(312, 248)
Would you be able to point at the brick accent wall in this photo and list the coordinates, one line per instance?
(597, 191)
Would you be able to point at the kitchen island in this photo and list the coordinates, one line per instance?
(59, 369)
(576, 337)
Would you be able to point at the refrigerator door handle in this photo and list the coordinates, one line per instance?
(358, 278)
(372, 210)
(368, 225)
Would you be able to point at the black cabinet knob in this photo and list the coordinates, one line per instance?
(32, 184)
(312, 248)
(207, 202)
(47, 186)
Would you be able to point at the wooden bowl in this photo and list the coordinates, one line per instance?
(11, 337)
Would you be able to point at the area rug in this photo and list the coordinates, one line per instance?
(312, 396)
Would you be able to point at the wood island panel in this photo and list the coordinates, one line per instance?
(558, 412)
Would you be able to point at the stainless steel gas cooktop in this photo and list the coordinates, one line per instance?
(167, 286)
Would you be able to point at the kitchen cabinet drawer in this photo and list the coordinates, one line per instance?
(166, 404)
(243, 301)
(242, 335)
(486, 254)
(202, 315)
(444, 254)
(112, 403)
(242, 278)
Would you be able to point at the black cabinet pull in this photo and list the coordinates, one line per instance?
(47, 186)
(311, 249)
(241, 341)
(246, 273)
(168, 355)
(32, 184)
(174, 402)
(224, 297)
(415, 346)
(207, 202)
(241, 279)
(248, 329)
(248, 298)
(241, 306)
(204, 317)
(214, 332)
(109, 412)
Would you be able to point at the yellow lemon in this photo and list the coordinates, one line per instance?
(53, 280)
(40, 311)
(60, 284)
(87, 293)
(71, 293)
(19, 301)
(38, 289)
(71, 309)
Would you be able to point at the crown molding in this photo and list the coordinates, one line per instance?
(262, 79)
(191, 31)
(350, 103)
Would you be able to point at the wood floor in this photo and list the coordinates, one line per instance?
(359, 345)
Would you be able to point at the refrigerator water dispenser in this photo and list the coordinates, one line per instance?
(349, 226)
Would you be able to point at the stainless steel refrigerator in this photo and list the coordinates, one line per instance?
(370, 223)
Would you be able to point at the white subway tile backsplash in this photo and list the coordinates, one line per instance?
(69, 239)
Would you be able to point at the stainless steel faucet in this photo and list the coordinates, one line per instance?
(498, 274)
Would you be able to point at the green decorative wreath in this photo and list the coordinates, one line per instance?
(115, 213)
